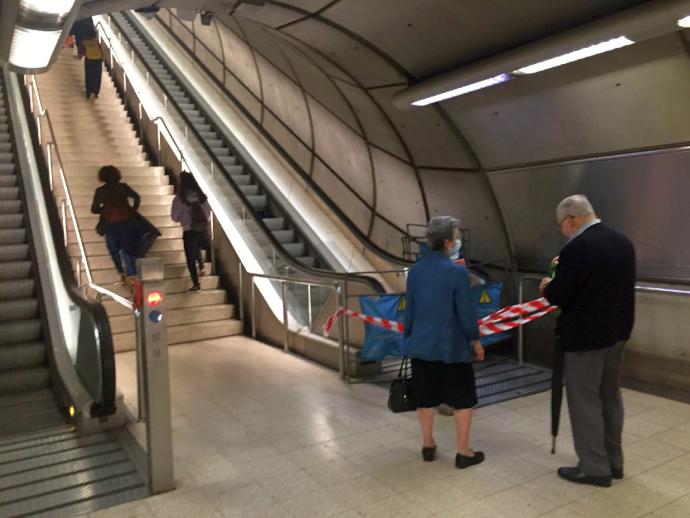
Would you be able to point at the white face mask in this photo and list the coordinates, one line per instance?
(454, 251)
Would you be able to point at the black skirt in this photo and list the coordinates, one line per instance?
(434, 383)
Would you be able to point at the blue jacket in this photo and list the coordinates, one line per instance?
(440, 317)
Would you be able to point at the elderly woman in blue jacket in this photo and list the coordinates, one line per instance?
(442, 339)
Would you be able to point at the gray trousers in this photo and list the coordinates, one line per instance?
(592, 380)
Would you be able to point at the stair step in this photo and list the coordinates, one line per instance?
(18, 331)
(95, 249)
(101, 262)
(91, 236)
(185, 333)
(109, 276)
(128, 172)
(176, 301)
(176, 285)
(177, 317)
(89, 221)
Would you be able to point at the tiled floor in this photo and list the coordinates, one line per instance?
(261, 433)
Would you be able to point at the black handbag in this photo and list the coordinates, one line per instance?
(400, 396)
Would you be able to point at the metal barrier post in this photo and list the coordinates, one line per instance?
(253, 308)
(309, 311)
(240, 298)
(286, 335)
(341, 332)
(156, 376)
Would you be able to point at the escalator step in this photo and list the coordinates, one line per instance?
(18, 309)
(9, 193)
(295, 249)
(228, 160)
(307, 261)
(258, 202)
(10, 206)
(11, 220)
(14, 270)
(21, 356)
(24, 380)
(221, 151)
(13, 253)
(274, 223)
(12, 236)
(241, 179)
(16, 289)
(284, 236)
(8, 180)
(249, 190)
(18, 331)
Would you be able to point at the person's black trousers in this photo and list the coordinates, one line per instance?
(194, 242)
(93, 69)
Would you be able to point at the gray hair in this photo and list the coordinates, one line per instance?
(576, 206)
(439, 229)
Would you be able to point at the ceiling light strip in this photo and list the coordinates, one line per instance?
(501, 78)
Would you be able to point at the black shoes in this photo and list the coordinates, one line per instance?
(429, 454)
(577, 476)
(462, 462)
(617, 473)
(194, 289)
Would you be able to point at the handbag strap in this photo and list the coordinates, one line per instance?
(404, 365)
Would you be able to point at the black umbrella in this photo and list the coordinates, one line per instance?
(556, 391)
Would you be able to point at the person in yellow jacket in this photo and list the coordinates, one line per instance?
(90, 49)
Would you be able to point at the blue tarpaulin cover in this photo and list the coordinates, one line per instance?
(380, 342)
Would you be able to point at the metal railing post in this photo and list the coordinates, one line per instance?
(521, 285)
(286, 336)
(63, 210)
(341, 333)
(212, 248)
(240, 298)
(309, 305)
(253, 308)
(139, 337)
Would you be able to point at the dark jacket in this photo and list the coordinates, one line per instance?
(595, 289)
(113, 196)
(440, 318)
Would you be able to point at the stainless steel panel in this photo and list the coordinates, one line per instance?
(645, 196)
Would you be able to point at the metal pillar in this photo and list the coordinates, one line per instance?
(156, 376)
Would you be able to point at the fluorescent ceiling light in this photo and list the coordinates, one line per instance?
(576, 55)
(684, 22)
(31, 49)
(502, 78)
(59, 7)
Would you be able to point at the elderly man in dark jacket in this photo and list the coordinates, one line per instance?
(594, 286)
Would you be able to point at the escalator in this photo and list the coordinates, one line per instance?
(27, 399)
(62, 449)
(272, 218)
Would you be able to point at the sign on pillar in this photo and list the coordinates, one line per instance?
(156, 375)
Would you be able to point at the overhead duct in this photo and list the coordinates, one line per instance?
(634, 25)
(34, 30)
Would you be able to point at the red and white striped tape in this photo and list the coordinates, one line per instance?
(502, 320)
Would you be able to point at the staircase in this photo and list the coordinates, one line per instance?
(97, 132)
(26, 395)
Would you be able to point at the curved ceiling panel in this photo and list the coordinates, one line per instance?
(343, 150)
(367, 66)
(633, 98)
(239, 58)
(429, 136)
(377, 127)
(320, 86)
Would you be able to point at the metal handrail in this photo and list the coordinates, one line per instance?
(337, 286)
(638, 288)
(43, 112)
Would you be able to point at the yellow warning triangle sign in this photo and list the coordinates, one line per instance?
(485, 299)
(403, 304)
